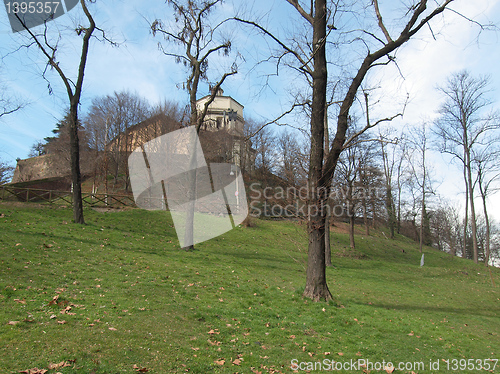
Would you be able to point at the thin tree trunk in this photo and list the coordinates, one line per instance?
(365, 218)
(316, 287)
(328, 248)
(487, 252)
(464, 249)
(75, 164)
(472, 211)
(352, 244)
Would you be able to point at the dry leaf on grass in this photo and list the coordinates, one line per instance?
(34, 371)
(53, 301)
(13, 323)
(65, 310)
(389, 369)
(237, 362)
(62, 364)
(139, 369)
(220, 362)
(23, 301)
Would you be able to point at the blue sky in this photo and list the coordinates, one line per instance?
(137, 65)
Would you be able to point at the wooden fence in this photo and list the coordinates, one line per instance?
(11, 193)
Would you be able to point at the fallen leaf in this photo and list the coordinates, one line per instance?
(213, 332)
(61, 322)
(34, 371)
(13, 323)
(340, 354)
(65, 310)
(23, 301)
(53, 316)
(389, 369)
(220, 362)
(139, 369)
(237, 362)
(54, 300)
(113, 329)
(62, 364)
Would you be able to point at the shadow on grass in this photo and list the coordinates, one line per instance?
(463, 312)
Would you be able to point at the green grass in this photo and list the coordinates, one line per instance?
(232, 306)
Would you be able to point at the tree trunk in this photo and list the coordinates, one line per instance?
(390, 210)
(328, 248)
(487, 252)
(365, 218)
(75, 164)
(316, 287)
(352, 244)
(472, 210)
(464, 249)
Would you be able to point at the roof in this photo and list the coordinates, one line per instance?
(226, 97)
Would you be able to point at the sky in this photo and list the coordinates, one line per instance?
(138, 66)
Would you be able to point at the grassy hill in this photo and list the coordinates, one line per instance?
(118, 296)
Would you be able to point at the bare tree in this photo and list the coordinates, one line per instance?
(37, 149)
(462, 126)
(445, 224)
(485, 163)
(388, 163)
(49, 49)
(108, 125)
(376, 46)
(421, 175)
(349, 180)
(196, 37)
(288, 153)
(6, 171)
(8, 105)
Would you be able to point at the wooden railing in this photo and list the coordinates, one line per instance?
(11, 193)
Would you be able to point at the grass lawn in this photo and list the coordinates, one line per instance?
(118, 296)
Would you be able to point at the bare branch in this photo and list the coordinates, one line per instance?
(302, 12)
(380, 22)
(305, 68)
(275, 121)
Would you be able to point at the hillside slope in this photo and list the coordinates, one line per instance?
(118, 295)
